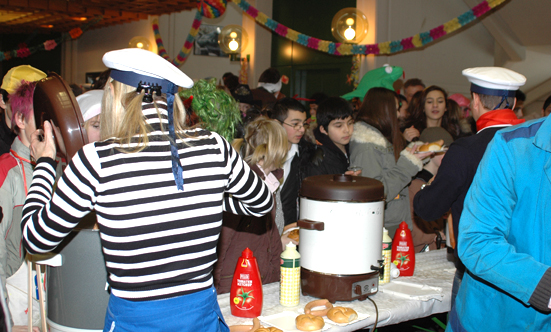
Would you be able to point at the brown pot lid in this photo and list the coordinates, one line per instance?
(339, 187)
(54, 100)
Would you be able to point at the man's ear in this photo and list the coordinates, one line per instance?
(18, 120)
(323, 131)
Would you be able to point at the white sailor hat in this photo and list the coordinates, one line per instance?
(133, 65)
(494, 81)
(90, 103)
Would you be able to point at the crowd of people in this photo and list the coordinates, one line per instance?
(216, 169)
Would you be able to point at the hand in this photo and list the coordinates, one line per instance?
(43, 143)
(60, 142)
(285, 239)
(354, 173)
(410, 133)
(419, 155)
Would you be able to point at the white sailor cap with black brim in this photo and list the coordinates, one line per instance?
(494, 81)
(147, 70)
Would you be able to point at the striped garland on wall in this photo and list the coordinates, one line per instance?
(389, 47)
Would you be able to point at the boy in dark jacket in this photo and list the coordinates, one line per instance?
(335, 127)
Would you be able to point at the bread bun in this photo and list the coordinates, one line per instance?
(318, 303)
(268, 329)
(307, 322)
(434, 146)
(293, 235)
(342, 315)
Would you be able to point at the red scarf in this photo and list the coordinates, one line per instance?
(497, 117)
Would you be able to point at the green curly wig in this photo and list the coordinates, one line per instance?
(218, 111)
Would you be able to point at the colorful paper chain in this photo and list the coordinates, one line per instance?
(23, 51)
(388, 47)
(205, 8)
(186, 49)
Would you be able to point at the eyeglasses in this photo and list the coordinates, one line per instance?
(298, 125)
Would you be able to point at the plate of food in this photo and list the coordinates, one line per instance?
(434, 147)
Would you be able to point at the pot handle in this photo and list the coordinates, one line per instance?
(310, 224)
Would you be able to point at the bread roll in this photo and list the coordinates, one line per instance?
(293, 235)
(318, 303)
(268, 329)
(307, 322)
(342, 315)
(434, 146)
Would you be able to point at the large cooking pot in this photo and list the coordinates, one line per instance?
(76, 292)
(341, 224)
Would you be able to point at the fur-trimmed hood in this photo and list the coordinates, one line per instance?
(365, 133)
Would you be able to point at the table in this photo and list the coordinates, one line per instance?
(431, 269)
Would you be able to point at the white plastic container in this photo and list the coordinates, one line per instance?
(387, 255)
(289, 283)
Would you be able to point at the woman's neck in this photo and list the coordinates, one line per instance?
(434, 123)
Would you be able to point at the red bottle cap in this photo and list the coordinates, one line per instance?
(247, 253)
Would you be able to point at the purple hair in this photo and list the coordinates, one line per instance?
(21, 101)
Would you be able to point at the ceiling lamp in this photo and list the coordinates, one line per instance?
(349, 25)
(139, 42)
(233, 39)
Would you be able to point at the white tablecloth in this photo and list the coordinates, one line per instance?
(432, 271)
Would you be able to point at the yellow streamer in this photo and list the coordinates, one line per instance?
(495, 3)
(452, 25)
(323, 45)
(416, 41)
(292, 34)
(345, 49)
(262, 18)
(384, 48)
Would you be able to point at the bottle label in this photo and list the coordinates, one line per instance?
(244, 299)
(402, 261)
(289, 286)
(290, 262)
(244, 280)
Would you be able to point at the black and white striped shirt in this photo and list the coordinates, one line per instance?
(158, 242)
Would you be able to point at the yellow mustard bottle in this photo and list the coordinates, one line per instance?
(289, 282)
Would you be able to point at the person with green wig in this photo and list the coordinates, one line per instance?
(218, 111)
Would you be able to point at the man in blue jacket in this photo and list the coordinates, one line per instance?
(505, 238)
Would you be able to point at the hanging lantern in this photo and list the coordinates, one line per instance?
(349, 25)
(233, 39)
(139, 42)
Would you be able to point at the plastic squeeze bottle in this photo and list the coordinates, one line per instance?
(246, 287)
(387, 257)
(403, 253)
(289, 282)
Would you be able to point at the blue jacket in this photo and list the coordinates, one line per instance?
(505, 235)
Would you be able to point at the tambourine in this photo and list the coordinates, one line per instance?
(54, 100)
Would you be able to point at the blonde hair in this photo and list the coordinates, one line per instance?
(122, 118)
(265, 139)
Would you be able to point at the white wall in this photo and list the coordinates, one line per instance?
(84, 55)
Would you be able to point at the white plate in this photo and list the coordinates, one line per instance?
(361, 316)
(437, 151)
(285, 321)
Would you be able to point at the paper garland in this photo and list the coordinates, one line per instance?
(23, 51)
(388, 47)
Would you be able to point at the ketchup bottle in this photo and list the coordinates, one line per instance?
(246, 287)
(403, 253)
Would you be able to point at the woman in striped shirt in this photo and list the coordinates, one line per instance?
(158, 190)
